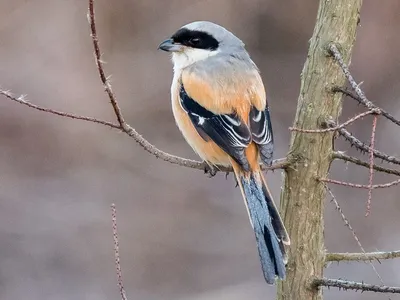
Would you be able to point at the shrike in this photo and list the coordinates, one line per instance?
(220, 106)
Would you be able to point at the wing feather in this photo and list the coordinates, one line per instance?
(228, 131)
(261, 131)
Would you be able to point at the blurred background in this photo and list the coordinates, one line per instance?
(182, 235)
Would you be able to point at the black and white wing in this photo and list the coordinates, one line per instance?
(261, 131)
(228, 131)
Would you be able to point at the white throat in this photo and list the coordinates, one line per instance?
(190, 56)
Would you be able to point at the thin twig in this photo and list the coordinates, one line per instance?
(344, 218)
(348, 122)
(116, 252)
(334, 51)
(22, 100)
(338, 257)
(357, 161)
(360, 186)
(365, 148)
(371, 165)
(356, 286)
(99, 63)
(359, 100)
(353, 232)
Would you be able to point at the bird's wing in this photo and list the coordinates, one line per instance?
(228, 130)
(229, 107)
(261, 132)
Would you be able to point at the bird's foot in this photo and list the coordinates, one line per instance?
(234, 178)
(209, 170)
(226, 175)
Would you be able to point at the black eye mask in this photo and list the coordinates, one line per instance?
(195, 39)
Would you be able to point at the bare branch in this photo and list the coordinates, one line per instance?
(362, 256)
(281, 163)
(116, 252)
(22, 100)
(348, 122)
(365, 148)
(334, 51)
(344, 218)
(353, 232)
(99, 63)
(371, 165)
(358, 99)
(356, 286)
(357, 161)
(360, 186)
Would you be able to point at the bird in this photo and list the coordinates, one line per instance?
(219, 105)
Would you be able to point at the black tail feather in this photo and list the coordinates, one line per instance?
(263, 216)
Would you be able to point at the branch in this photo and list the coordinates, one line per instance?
(353, 232)
(360, 186)
(116, 252)
(362, 256)
(333, 50)
(359, 100)
(371, 165)
(348, 122)
(355, 160)
(22, 100)
(365, 148)
(344, 218)
(99, 63)
(281, 163)
(357, 286)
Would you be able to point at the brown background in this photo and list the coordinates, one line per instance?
(182, 235)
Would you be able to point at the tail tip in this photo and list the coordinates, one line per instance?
(273, 280)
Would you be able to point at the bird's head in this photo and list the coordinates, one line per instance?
(198, 41)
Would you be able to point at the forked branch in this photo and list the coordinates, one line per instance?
(360, 101)
(334, 51)
(281, 163)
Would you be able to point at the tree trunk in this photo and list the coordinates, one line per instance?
(302, 198)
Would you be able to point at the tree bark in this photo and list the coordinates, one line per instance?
(302, 198)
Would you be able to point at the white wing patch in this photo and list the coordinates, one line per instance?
(260, 126)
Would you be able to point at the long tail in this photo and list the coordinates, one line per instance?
(271, 235)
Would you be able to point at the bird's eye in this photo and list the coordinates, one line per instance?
(194, 41)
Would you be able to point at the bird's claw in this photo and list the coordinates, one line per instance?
(234, 177)
(237, 182)
(210, 171)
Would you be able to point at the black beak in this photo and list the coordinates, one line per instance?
(170, 46)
